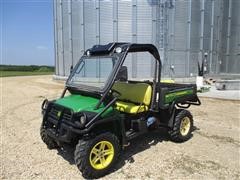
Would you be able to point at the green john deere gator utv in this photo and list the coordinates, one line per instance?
(100, 119)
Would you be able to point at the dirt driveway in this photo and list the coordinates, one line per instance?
(212, 153)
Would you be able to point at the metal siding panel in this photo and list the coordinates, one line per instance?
(124, 21)
(67, 56)
(55, 38)
(189, 37)
(234, 59)
(214, 64)
(181, 18)
(154, 35)
(90, 23)
(97, 16)
(207, 24)
(195, 28)
(193, 68)
(134, 37)
(144, 22)
(115, 21)
(106, 22)
(179, 63)
(60, 40)
(128, 63)
(76, 31)
(216, 37)
(223, 68)
(224, 26)
(144, 65)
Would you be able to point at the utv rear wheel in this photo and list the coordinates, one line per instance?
(183, 126)
(51, 144)
(96, 157)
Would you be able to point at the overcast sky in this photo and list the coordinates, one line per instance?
(27, 32)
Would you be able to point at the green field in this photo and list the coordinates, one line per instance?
(13, 70)
(22, 73)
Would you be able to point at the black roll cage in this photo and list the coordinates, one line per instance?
(129, 48)
(109, 49)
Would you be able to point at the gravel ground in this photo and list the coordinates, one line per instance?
(212, 153)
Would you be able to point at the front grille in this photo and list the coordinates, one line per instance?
(55, 118)
(67, 116)
(53, 113)
(56, 112)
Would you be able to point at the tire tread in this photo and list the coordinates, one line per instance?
(51, 144)
(174, 133)
(81, 155)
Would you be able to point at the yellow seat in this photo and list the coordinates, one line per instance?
(130, 107)
(135, 97)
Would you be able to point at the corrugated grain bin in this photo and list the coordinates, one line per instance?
(182, 31)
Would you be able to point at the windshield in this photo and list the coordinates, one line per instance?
(92, 73)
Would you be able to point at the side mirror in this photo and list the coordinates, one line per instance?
(122, 74)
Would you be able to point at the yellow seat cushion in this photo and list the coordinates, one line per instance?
(135, 97)
(135, 92)
(130, 107)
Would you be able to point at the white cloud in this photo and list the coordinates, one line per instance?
(40, 47)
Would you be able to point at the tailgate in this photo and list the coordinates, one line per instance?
(181, 93)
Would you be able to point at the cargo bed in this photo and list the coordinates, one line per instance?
(179, 94)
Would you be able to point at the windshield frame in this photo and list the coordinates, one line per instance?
(95, 89)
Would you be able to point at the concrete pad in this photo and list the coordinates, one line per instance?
(228, 84)
(221, 94)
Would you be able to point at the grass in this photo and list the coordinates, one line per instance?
(23, 73)
(23, 70)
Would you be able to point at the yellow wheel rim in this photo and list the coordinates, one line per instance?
(185, 126)
(101, 155)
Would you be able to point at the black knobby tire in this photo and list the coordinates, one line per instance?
(175, 133)
(51, 144)
(82, 153)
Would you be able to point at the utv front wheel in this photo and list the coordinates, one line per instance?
(183, 126)
(95, 157)
(51, 144)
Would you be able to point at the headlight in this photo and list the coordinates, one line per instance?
(81, 120)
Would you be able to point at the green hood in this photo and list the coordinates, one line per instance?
(81, 103)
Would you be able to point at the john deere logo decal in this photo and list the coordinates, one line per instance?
(59, 114)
